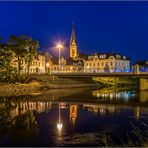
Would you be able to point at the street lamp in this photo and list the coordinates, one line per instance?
(59, 46)
(47, 65)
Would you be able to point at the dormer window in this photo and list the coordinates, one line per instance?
(124, 57)
(118, 56)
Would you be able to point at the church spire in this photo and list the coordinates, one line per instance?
(73, 38)
(73, 45)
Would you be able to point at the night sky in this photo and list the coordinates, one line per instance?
(120, 27)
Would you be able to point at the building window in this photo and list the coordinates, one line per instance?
(94, 64)
(98, 64)
(111, 63)
(102, 64)
(90, 64)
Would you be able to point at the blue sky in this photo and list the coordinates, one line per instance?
(120, 27)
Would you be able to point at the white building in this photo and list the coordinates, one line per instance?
(98, 63)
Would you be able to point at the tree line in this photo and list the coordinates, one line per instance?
(17, 48)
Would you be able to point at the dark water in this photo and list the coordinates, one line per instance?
(85, 117)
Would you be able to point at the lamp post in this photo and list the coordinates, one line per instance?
(59, 46)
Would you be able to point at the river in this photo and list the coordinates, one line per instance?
(75, 117)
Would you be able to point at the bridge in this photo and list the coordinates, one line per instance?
(145, 75)
(115, 79)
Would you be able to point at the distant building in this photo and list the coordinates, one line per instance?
(107, 62)
(140, 66)
(37, 65)
(67, 65)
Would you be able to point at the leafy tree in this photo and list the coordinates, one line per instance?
(32, 47)
(6, 69)
(18, 46)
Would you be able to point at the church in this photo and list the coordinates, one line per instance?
(67, 65)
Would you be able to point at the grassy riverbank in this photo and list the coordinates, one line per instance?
(41, 83)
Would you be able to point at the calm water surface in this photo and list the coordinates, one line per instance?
(72, 117)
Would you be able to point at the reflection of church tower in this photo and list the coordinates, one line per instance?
(73, 113)
(73, 45)
(137, 112)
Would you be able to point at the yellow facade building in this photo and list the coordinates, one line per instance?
(37, 65)
(100, 63)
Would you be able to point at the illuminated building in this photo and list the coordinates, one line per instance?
(73, 45)
(37, 65)
(140, 66)
(98, 63)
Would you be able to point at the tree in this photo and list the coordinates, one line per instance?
(32, 47)
(18, 46)
(6, 69)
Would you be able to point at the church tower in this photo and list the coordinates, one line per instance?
(73, 45)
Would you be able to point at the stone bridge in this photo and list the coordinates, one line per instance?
(114, 79)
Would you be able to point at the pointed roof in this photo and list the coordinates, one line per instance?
(73, 34)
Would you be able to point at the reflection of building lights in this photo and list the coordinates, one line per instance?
(102, 111)
(137, 112)
(98, 95)
(111, 109)
(111, 96)
(62, 105)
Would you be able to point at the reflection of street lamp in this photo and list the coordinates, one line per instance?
(59, 124)
(47, 65)
(59, 46)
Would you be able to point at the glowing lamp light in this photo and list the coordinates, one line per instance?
(59, 45)
(47, 64)
(59, 126)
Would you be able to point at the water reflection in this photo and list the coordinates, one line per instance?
(73, 114)
(59, 124)
(113, 93)
(24, 107)
(62, 118)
